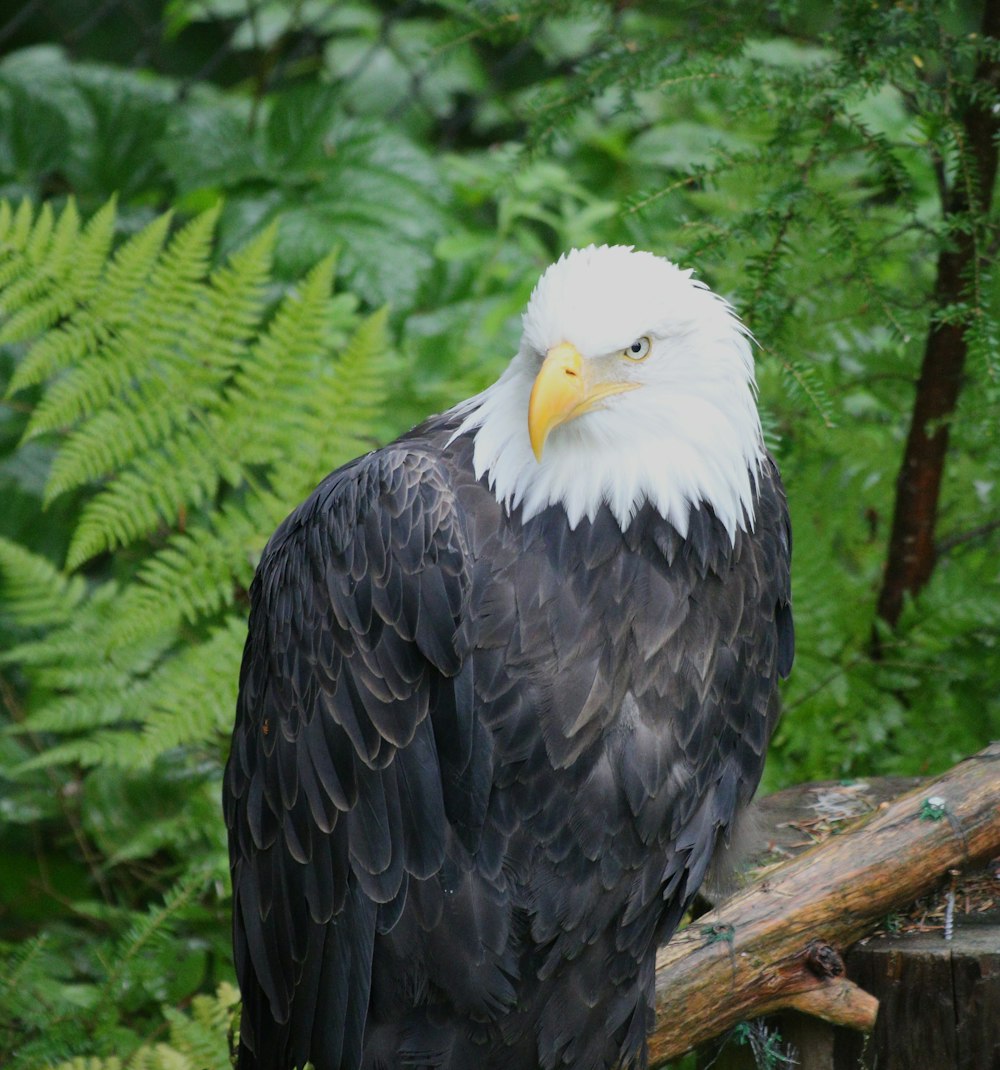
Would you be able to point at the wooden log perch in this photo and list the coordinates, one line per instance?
(774, 944)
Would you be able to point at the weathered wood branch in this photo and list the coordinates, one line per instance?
(772, 946)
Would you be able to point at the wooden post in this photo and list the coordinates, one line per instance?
(940, 1002)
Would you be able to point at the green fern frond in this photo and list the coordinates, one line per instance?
(104, 701)
(21, 963)
(150, 494)
(803, 380)
(197, 1039)
(30, 297)
(285, 354)
(169, 380)
(144, 332)
(34, 592)
(6, 217)
(203, 679)
(59, 267)
(347, 403)
(198, 571)
(108, 309)
(41, 232)
(199, 440)
(232, 306)
(87, 752)
(189, 700)
(220, 432)
(15, 229)
(153, 926)
(91, 252)
(34, 990)
(187, 404)
(82, 638)
(163, 1057)
(168, 402)
(202, 1035)
(134, 704)
(108, 440)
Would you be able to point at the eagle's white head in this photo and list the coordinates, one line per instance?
(633, 382)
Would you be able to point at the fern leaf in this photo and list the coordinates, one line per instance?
(58, 269)
(234, 305)
(186, 701)
(38, 241)
(151, 493)
(103, 700)
(189, 700)
(202, 1034)
(155, 924)
(296, 334)
(804, 381)
(110, 305)
(198, 572)
(92, 1062)
(35, 593)
(90, 254)
(145, 330)
(346, 402)
(168, 1058)
(197, 1040)
(19, 231)
(193, 351)
(21, 963)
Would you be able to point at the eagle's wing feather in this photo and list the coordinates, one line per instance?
(525, 741)
(337, 789)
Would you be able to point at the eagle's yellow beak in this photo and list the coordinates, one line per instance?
(564, 389)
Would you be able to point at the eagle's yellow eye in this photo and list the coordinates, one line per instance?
(638, 350)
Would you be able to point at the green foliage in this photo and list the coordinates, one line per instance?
(50, 984)
(195, 412)
(91, 125)
(324, 178)
(197, 1039)
(297, 157)
(182, 358)
(188, 406)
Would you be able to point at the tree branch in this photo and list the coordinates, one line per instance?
(772, 946)
(960, 538)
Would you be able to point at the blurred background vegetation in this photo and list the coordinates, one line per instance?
(244, 240)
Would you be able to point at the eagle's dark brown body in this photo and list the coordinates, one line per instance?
(480, 767)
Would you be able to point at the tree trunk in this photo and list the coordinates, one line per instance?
(911, 555)
(772, 946)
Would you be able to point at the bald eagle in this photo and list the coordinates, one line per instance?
(508, 682)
